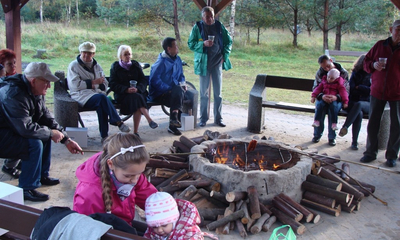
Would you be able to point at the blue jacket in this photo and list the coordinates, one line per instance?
(165, 74)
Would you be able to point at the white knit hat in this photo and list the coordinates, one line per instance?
(87, 47)
(161, 209)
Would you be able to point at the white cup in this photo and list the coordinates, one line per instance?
(384, 61)
(211, 37)
(133, 83)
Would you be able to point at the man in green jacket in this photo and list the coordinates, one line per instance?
(212, 44)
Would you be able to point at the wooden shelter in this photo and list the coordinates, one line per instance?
(12, 10)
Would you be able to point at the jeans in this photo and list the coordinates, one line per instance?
(37, 165)
(215, 75)
(321, 109)
(376, 110)
(105, 112)
(355, 111)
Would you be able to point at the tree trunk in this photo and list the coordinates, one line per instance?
(325, 29)
(338, 38)
(176, 27)
(309, 27)
(295, 21)
(41, 11)
(258, 36)
(77, 11)
(232, 19)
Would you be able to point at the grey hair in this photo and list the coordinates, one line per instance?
(207, 9)
(122, 49)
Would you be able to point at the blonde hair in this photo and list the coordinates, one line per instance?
(122, 49)
(358, 64)
(113, 145)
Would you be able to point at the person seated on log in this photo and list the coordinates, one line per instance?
(169, 218)
(112, 181)
(131, 97)
(88, 85)
(27, 128)
(167, 83)
(326, 64)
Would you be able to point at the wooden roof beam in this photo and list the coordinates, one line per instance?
(396, 3)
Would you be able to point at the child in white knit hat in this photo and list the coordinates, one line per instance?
(172, 219)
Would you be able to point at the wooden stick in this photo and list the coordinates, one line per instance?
(214, 201)
(324, 182)
(315, 197)
(164, 172)
(365, 190)
(328, 192)
(214, 186)
(320, 207)
(254, 203)
(188, 193)
(286, 209)
(219, 196)
(235, 196)
(307, 215)
(346, 186)
(257, 227)
(296, 226)
(211, 213)
(156, 163)
(236, 215)
(241, 229)
(267, 225)
(187, 142)
(366, 185)
(346, 169)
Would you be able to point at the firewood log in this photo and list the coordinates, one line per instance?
(228, 211)
(264, 209)
(236, 215)
(241, 229)
(214, 186)
(328, 192)
(211, 213)
(357, 204)
(246, 218)
(320, 207)
(197, 183)
(188, 193)
(198, 140)
(157, 163)
(171, 158)
(219, 196)
(315, 197)
(156, 180)
(219, 229)
(286, 209)
(285, 219)
(268, 223)
(187, 142)
(324, 182)
(235, 196)
(180, 147)
(307, 215)
(254, 203)
(349, 209)
(239, 204)
(346, 186)
(257, 227)
(164, 172)
(353, 182)
(182, 174)
(345, 169)
(316, 217)
(365, 190)
(344, 203)
(214, 201)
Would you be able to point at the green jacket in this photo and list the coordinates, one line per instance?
(195, 43)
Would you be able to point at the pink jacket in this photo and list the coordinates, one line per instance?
(88, 194)
(186, 227)
(333, 88)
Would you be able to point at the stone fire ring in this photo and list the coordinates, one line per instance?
(268, 183)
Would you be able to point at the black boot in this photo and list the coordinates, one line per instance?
(174, 120)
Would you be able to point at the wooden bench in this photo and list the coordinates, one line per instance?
(331, 53)
(258, 101)
(66, 110)
(20, 221)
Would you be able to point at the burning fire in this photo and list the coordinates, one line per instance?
(275, 166)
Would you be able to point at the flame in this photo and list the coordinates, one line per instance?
(275, 166)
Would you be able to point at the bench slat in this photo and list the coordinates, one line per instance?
(289, 83)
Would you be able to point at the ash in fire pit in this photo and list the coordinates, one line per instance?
(262, 157)
(237, 174)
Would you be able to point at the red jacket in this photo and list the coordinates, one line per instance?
(333, 88)
(88, 194)
(385, 84)
(186, 227)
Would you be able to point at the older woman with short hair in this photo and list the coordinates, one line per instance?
(132, 99)
(8, 59)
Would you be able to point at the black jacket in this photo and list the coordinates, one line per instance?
(120, 77)
(24, 113)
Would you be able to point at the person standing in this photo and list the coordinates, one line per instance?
(27, 128)
(167, 83)
(212, 44)
(88, 85)
(382, 61)
(326, 64)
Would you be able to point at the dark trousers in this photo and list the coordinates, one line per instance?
(105, 112)
(355, 113)
(173, 98)
(376, 110)
(318, 131)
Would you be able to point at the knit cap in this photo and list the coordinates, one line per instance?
(161, 209)
(334, 73)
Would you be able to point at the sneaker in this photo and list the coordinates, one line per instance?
(343, 131)
(334, 126)
(13, 172)
(35, 196)
(175, 123)
(332, 142)
(124, 128)
(174, 130)
(153, 124)
(202, 124)
(315, 124)
(315, 139)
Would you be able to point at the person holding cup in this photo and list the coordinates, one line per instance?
(211, 44)
(88, 85)
(385, 88)
(129, 85)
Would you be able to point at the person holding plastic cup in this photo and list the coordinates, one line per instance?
(385, 88)
(129, 84)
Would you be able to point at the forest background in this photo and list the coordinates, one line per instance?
(275, 37)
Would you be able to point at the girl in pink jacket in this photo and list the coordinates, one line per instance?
(331, 84)
(112, 181)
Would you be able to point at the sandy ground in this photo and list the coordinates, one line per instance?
(373, 221)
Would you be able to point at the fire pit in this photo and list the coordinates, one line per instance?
(271, 167)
